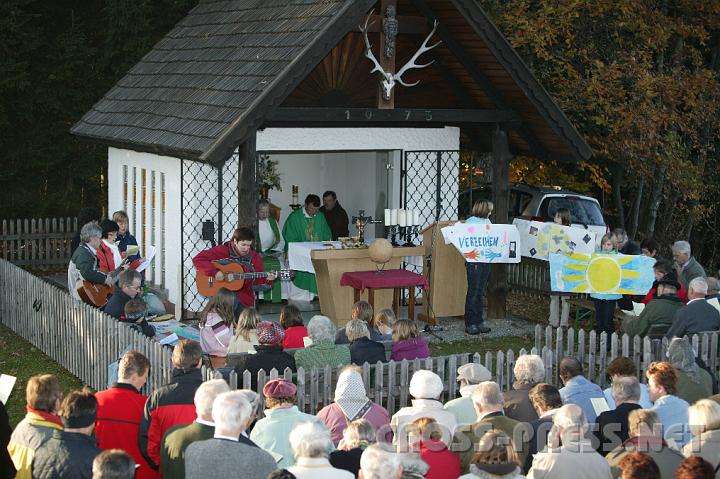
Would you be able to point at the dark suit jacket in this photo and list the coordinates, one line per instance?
(517, 404)
(538, 440)
(364, 351)
(267, 358)
(515, 430)
(613, 427)
(695, 317)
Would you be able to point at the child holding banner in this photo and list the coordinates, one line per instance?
(605, 303)
(562, 217)
(477, 276)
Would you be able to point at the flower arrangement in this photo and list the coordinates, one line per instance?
(267, 174)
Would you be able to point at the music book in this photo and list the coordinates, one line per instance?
(7, 383)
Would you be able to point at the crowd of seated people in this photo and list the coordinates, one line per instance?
(194, 428)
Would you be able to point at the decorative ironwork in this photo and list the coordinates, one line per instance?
(390, 29)
(209, 193)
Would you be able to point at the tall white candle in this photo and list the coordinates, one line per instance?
(387, 217)
(416, 217)
(402, 218)
(393, 216)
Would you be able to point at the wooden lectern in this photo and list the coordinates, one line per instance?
(444, 267)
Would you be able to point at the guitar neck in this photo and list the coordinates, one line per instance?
(234, 276)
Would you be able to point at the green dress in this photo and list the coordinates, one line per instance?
(270, 260)
(300, 227)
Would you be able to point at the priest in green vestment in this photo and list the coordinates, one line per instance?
(269, 244)
(306, 224)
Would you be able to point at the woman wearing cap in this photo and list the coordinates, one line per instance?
(694, 383)
(426, 388)
(469, 376)
(281, 416)
(351, 403)
(268, 353)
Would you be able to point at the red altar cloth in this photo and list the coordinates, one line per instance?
(389, 278)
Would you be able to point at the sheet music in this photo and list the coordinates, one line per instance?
(7, 383)
(148, 259)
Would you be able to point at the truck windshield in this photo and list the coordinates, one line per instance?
(582, 210)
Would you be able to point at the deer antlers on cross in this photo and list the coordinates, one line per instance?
(389, 79)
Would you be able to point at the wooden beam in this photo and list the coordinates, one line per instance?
(247, 185)
(388, 63)
(478, 77)
(498, 286)
(342, 117)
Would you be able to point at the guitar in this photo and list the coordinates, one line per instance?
(235, 276)
(94, 294)
(97, 294)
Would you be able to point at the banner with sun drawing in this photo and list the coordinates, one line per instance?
(601, 273)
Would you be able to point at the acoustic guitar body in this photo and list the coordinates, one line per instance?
(94, 294)
(208, 286)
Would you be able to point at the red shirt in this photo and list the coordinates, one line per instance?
(294, 337)
(120, 410)
(203, 262)
(444, 464)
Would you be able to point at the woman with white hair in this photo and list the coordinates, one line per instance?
(323, 351)
(694, 383)
(426, 388)
(311, 444)
(357, 436)
(704, 421)
(83, 264)
(529, 370)
(362, 348)
(351, 403)
(380, 462)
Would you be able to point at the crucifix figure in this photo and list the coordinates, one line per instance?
(360, 221)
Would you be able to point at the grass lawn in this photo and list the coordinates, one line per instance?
(21, 359)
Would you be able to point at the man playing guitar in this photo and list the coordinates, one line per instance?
(237, 250)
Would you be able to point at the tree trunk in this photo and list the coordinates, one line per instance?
(498, 287)
(655, 197)
(617, 194)
(635, 212)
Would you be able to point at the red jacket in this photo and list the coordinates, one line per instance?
(120, 410)
(203, 262)
(167, 406)
(444, 464)
(106, 261)
(294, 337)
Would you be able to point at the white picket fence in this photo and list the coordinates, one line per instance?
(82, 339)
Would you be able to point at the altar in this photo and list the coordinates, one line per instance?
(329, 264)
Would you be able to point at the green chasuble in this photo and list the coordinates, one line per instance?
(300, 227)
(270, 260)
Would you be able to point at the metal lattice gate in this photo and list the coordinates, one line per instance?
(443, 185)
(209, 193)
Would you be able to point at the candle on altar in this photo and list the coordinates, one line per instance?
(394, 216)
(387, 217)
(402, 218)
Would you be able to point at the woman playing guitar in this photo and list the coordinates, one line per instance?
(237, 250)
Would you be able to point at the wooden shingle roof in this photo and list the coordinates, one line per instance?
(213, 71)
(223, 70)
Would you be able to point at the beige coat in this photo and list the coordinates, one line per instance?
(667, 459)
(707, 446)
(580, 461)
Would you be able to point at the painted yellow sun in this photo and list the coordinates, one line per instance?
(603, 274)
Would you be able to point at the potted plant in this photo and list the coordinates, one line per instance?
(268, 177)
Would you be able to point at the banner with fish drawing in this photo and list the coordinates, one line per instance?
(484, 243)
(540, 239)
(601, 273)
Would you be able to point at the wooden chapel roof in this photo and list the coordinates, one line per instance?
(222, 71)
